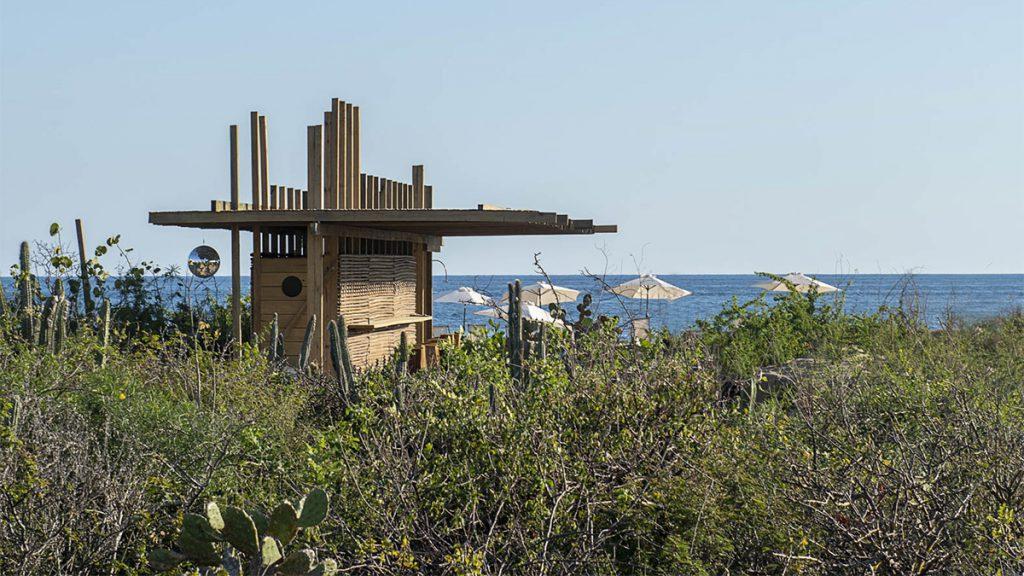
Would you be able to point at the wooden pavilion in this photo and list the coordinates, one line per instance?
(349, 243)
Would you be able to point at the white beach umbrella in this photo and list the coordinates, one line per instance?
(648, 286)
(801, 282)
(467, 297)
(542, 294)
(530, 312)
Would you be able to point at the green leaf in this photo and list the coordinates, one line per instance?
(297, 563)
(284, 522)
(271, 551)
(314, 508)
(240, 531)
(213, 516)
(54, 229)
(162, 559)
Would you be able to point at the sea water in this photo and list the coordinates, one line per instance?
(972, 297)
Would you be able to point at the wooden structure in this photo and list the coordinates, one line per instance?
(348, 243)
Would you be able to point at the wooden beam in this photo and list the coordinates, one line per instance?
(314, 167)
(428, 197)
(335, 229)
(236, 248)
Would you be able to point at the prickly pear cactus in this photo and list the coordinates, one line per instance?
(239, 542)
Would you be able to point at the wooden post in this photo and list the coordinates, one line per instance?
(236, 249)
(418, 194)
(268, 243)
(314, 167)
(428, 197)
(257, 235)
(83, 268)
(314, 296)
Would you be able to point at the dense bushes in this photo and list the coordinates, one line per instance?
(882, 447)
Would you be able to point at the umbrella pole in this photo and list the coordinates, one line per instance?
(463, 317)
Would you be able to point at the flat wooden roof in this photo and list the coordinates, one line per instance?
(482, 221)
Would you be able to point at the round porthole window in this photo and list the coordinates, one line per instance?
(291, 286)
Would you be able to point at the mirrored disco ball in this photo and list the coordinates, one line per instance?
(203, 261)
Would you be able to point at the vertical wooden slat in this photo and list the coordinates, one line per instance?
(330, 167)
(417, 186)
(272, 205)
(314, 168)
(264, 163)
(356, 168)
(351, 178)
(428, 197)
(341, 127)
(236, 248)
(254, 126)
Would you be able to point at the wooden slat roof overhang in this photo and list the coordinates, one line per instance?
(481, 221)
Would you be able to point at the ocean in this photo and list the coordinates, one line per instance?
(970, 296)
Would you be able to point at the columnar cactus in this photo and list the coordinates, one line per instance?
(346, 356)
(274, 343)
(338, 353)
(307, 343)
(60, 318)
(515, 331)
(252, 543)
(47, 325)
(402, 360)
(4, 308)
(26, 297)
(104, 331)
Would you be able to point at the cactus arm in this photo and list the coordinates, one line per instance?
(307, 343)
(336, 357)
(346, 357)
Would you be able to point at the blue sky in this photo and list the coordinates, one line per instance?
(720, 136)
